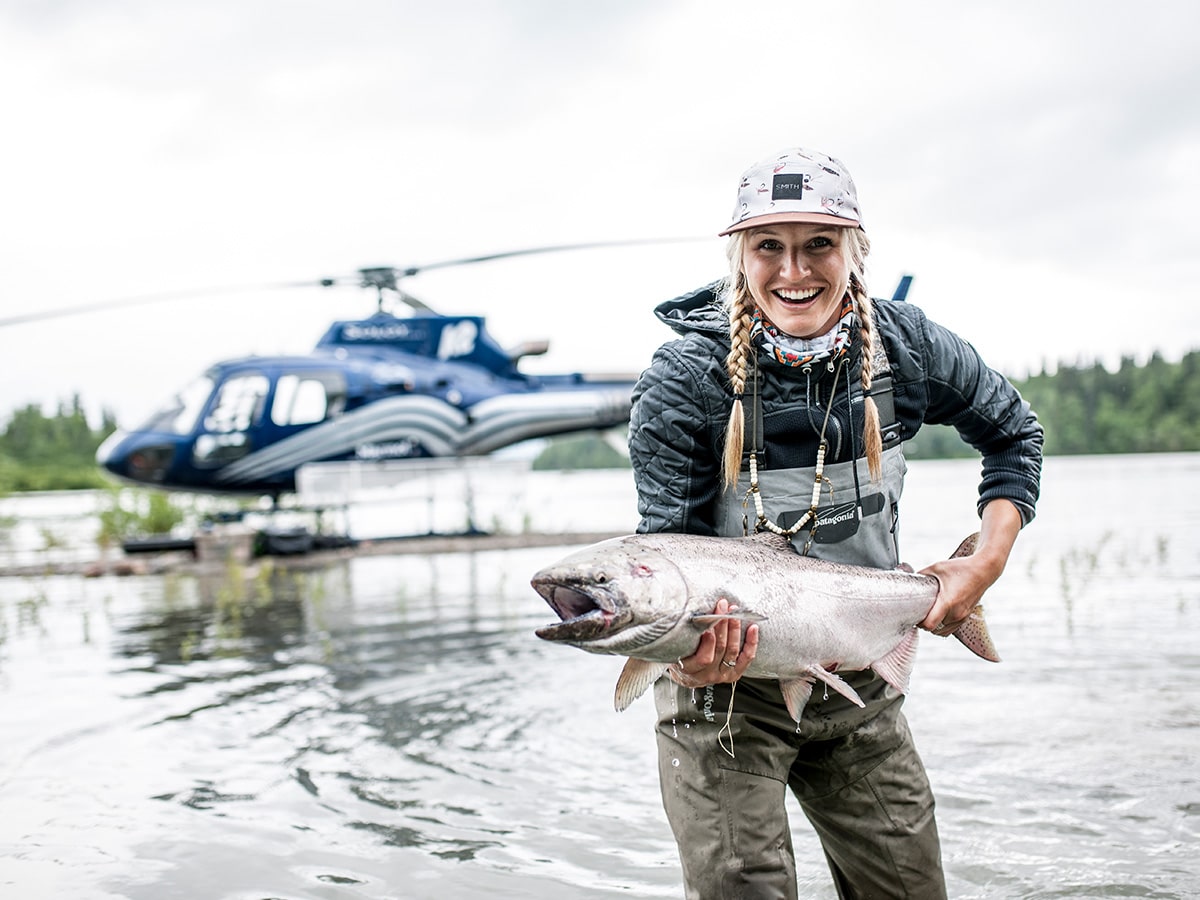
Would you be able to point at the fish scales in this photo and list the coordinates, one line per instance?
(649, 597)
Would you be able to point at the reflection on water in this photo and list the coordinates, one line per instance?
(389, 727)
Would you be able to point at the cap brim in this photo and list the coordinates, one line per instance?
(782, 217)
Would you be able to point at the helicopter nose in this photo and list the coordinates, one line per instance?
(123, 455)
(105, 451)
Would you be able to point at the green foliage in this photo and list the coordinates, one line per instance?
(1150, 408)
(137, 513)
(1147, 408)
(587, 451)
(45, 453)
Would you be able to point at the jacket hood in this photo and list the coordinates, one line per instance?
(698, 310)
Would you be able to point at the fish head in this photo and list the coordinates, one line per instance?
(618, 597)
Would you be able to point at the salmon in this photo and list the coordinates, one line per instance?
(649, 597)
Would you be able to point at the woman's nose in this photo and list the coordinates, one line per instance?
(795, 265)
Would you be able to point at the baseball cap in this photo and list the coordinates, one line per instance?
(796, 185)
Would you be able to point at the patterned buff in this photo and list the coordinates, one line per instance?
(798, 352)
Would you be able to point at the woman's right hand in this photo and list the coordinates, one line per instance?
(722, 656)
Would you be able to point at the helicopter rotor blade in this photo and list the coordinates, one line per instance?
(146, 299)
(553, 248)
(381, 278)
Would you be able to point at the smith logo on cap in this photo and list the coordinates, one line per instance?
(788, 187)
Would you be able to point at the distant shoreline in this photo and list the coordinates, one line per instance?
(123, 565)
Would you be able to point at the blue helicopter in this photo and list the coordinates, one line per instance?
(421, 386)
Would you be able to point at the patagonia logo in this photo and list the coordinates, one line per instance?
(838, 522)
(837, 515)
(707, 708)
(788, 187)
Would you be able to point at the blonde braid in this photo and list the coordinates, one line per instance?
(740, 307)
(860, 246)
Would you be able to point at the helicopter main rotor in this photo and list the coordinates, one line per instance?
(381, 278)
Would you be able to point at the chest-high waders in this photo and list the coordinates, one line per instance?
(855, 771)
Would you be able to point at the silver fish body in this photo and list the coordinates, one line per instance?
(649, 597)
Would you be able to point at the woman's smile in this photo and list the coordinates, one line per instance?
(798, 274)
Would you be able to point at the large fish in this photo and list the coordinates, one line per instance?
(650, 596)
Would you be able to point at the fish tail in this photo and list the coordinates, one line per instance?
(967, 547)
(974, 635)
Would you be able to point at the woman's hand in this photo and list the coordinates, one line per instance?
(963, 580)
(722, 657)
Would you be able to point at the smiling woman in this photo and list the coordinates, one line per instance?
(823, 386)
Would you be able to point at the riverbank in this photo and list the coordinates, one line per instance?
(182, 562)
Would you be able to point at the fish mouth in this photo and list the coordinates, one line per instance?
(586, 614)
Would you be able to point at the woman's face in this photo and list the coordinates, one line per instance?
(798, 274)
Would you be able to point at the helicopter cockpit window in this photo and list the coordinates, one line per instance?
(238, 405)
(179, 414)
(307, 399)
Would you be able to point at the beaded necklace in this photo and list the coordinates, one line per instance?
(834, 356)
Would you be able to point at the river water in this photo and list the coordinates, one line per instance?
(389, 727)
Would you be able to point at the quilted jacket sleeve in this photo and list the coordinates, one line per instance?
(958, 388)
(671, 441)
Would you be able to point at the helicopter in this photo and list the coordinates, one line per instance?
(384, 388)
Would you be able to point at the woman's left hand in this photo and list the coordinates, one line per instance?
(721, 656)
(963, 580)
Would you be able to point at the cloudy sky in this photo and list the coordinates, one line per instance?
(1036, 166)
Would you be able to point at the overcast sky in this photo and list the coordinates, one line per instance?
(1036, 166)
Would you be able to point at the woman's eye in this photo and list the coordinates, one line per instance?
(769, 244)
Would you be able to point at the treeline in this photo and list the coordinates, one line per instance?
(1139, 408)
(46, 453)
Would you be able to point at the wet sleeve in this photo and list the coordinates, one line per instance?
(671, 446)
(990, 414)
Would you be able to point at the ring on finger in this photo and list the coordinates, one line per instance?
(732, 663)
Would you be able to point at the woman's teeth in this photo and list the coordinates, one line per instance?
(797, 296)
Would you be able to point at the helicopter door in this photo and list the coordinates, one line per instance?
(238, 407)
(307, 398)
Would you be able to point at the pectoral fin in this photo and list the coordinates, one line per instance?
(637, 675)
(705, 621)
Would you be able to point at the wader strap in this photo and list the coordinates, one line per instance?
(752, 441)
(881, 392)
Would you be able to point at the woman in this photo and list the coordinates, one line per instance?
(784, 405)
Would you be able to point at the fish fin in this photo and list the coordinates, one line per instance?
(835, 682)
(974, 634)
(967, 547)
(797, 691)
(896, 667)
(637, 675)
(705, 621)
(772, 541)
(795, 694)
